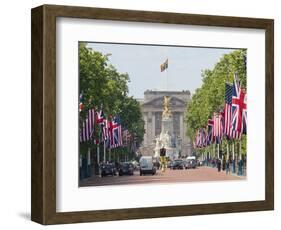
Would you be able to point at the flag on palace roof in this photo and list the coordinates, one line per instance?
(164, 66)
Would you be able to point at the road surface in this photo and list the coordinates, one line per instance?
(169, 176)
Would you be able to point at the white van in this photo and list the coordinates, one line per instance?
(191, 162)
(146, 165)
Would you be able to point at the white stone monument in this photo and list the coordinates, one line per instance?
(167, 138)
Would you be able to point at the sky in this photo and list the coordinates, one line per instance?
(142, 63)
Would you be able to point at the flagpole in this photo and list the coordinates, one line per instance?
(227, 150)
(114, 155)
(104, 153)
(104, 149)
(218, 151)
(233, 149)
(167, 77)
(98, 153)
(240, 149)
(88, 161)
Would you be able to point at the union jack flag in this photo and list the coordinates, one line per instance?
(239, 108)
(100, 117)
(115, 133)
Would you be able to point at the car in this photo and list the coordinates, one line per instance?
(169, 164)
(107, 169)
(191, 164)
(147, 166)
(185, 164)
(177, 164)
(136, 165)
(126, 168)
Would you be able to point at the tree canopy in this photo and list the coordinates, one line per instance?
(102, 86)
(210, 96)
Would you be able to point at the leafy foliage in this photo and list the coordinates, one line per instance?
(210, 97)
(104, 87)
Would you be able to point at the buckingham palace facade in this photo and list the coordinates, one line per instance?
(152, 108)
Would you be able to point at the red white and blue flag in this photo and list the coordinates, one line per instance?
(81, 102)
(228, 111)
(105, 133)
(100, 117)
(210, 132)
(218, 119)
(126, 137)
(204, 137)
(87, 129)
(239, 108)
(115, 133)
(198, 139)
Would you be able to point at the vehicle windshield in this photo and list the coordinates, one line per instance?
(126, 165)
(178, 161)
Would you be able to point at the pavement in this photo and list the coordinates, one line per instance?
(169, 176)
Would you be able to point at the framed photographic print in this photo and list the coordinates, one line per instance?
(140, 114)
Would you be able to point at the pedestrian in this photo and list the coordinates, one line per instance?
(219, 165)
(223, 163)
(227, 167)
(240, 167)
(233, 166)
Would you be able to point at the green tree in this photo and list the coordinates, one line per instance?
(209, 98)
(104, 87)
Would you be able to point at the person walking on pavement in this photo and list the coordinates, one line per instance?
(227, 167)
(219, 165)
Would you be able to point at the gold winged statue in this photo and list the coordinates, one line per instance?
(166, 105)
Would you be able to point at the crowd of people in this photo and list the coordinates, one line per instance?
(236, 166)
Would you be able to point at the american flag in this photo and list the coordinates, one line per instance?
(126, 137)
(104, 127)
(218, 126)
(239, 108)
(228, 111)
(198, 139)
(87, 129)
(201, 138)
(210, 131)
(115, 133)
(204, 137)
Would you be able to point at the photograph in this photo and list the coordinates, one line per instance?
(158, 114)
(143, 114)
